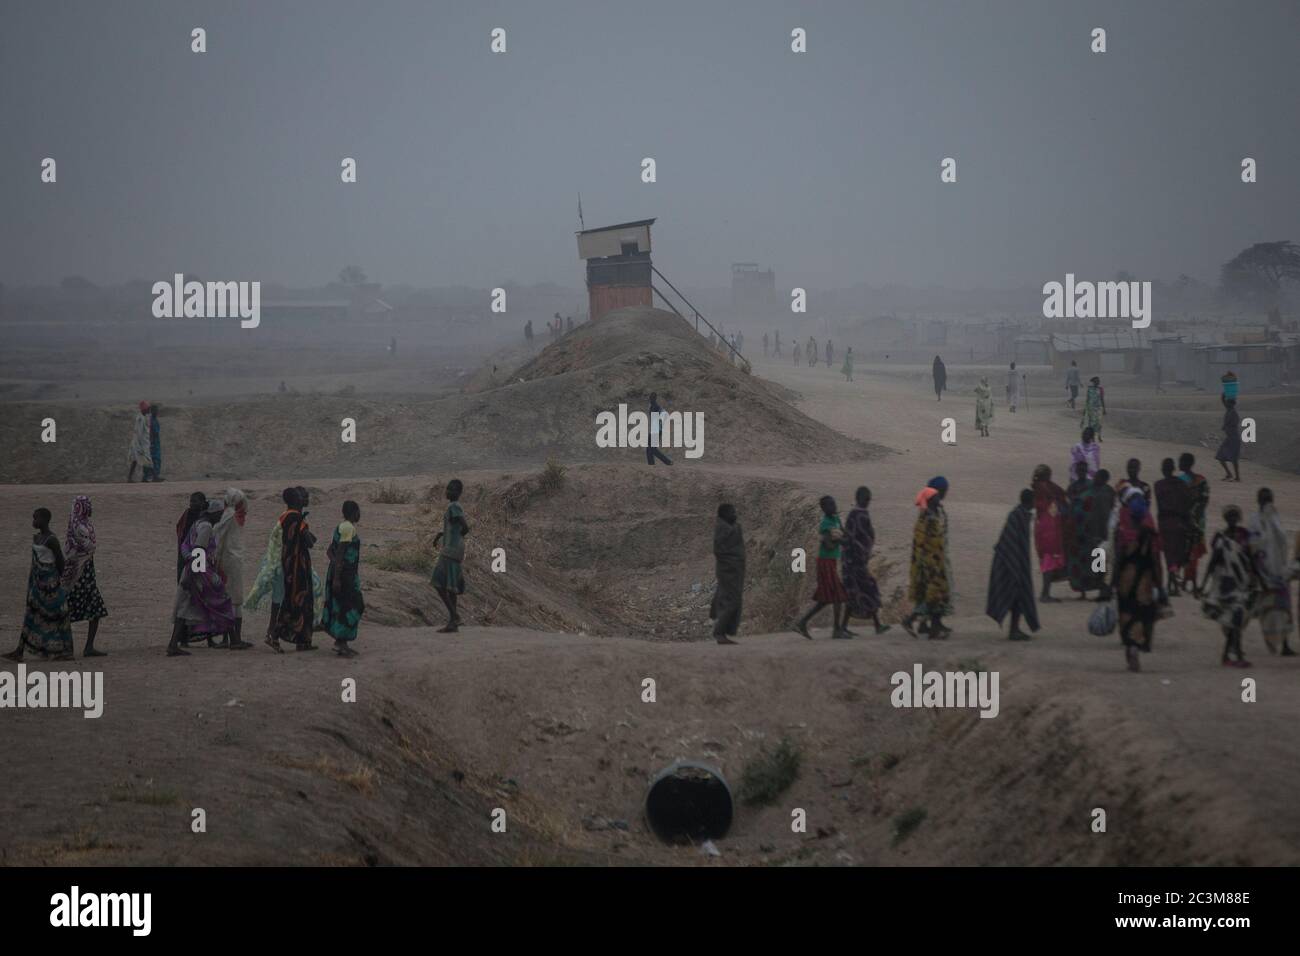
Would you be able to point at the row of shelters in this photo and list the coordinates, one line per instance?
(1261, 358)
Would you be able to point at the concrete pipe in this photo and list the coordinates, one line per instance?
(688, 802)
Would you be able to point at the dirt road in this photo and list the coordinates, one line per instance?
(552, 727)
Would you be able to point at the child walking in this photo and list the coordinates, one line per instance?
(829, 589)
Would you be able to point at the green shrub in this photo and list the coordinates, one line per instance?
(769, 774)
(406, 557)
(387, 493)
(552, 477)
(905, 823)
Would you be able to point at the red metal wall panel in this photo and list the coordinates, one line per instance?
(606, 298)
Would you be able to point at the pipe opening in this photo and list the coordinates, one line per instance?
(688, 803)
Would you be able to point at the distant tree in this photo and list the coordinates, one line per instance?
(1256, 276)
(352, 275)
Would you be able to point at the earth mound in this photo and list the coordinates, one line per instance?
(551, 402)
(607, 549)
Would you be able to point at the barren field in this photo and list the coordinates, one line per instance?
(536, 706)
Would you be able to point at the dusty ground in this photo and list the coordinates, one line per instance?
(239, 427)
(551, 727)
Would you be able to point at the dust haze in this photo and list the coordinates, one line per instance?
(900, 190)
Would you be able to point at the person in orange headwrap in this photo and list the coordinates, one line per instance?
(931, 572)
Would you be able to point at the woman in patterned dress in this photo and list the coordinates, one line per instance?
(201, 607)
(294, 618)
(1094, 406)
(85, 603)
(1137, 581)
(45, 625)
(1231, 585)
(930, 578)
(983, 406)
(344, 604)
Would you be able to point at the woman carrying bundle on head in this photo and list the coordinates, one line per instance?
(1229, 452)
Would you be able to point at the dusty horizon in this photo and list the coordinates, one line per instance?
(824, 164)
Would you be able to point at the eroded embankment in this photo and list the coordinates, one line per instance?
(1276, 432)
(608, 549)
(556, 731)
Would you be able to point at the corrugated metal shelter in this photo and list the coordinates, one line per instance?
(1258, 367)
(1033, 349)
(1166, 353)
(618, 266)
(1095, 352)
(1201, 360)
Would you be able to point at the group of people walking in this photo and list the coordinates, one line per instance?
(61, 587)
(808, 353)
(843, 574)
(1142, 545)
(209, 597)
(1132, 542)
(1014, 391)
(1094, 407)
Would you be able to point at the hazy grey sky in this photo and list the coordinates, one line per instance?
(824, 165)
